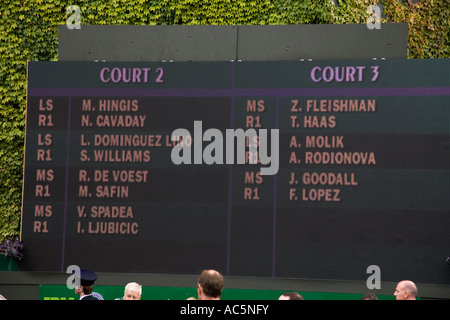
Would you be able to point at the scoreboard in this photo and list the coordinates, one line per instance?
(302, 169)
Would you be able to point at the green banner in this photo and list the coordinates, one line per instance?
(61, 292)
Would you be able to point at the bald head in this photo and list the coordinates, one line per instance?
(210, 285)
(406, 290)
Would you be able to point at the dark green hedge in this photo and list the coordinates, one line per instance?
(28, 31)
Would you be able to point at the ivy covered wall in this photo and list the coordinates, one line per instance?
(29, 31)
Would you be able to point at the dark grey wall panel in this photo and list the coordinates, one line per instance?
(225, 43)
(322, 42)
(147, 43)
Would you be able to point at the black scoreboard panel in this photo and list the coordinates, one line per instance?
(299, 169)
